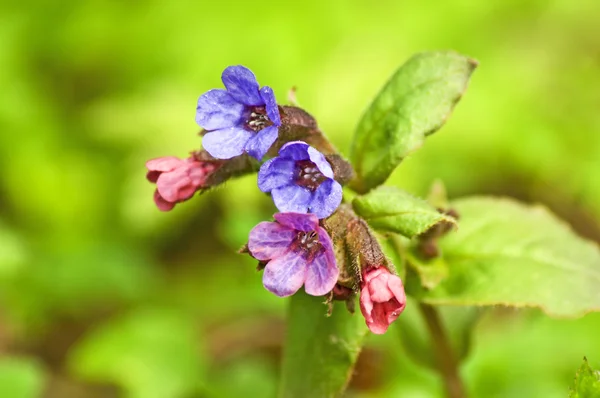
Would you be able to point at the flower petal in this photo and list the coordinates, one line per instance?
(366, 304)
(291, 198)
(285, 275)
(296, 150)
(269, 240)
(267, 95)
(258, 145)
(166, 163)
(319, 159)
(226, 143)
(217, 109)
(298, 221)
(199, 172)
(326, 198)
(175, 185)
(379, 322)
(161, 203)
(397, 288)
(327, 244)
(322, 273)
(242, 85)
(276, 173)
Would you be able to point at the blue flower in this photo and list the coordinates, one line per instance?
(301, 180)
(297, 251)
(241, 119)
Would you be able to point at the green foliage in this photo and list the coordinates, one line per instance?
(21, 378)
(320, 351)
(458, 322)
(430, 271)
(414, 103)
(12, 253)
(87, 98)
(149, 353)
(506, 253)
(242, 376)
(393, 210)
(586, 383)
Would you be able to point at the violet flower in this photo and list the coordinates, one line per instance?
(382, 298)
(297, 251)
(177, 180)
(241, 118)
(301, 180)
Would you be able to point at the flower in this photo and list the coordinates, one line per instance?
(301, 180)
(239, 119)
(382, 298)
(177, 180)
(297, 251)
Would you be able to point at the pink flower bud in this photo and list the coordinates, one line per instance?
(382, 298)
(177, 180)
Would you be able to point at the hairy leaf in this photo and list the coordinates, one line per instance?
(586, 383)
(414, 103)
(394, 210)
(507, 253)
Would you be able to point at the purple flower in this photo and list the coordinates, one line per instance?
(239, 119)
(297, 251)
(301, 180)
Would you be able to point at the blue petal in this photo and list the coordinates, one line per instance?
(226, 143)
(296, 150)
(217, 110)
(291, 198)
(326, 198)
(276, 173)
(285, 275)
(242, 85)
(260, 143)
(322, 272)
(270, 240)
(267, 95)
(319, 159)
(298, 221)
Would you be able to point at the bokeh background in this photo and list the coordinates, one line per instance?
(102, 295)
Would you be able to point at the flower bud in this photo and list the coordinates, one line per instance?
(382, 298)
(177, 180)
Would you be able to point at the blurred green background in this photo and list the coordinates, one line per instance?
(102, 295)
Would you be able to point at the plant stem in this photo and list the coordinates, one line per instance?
(446, 359)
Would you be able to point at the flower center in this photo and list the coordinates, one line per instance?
(307, 243)
(257, 119)
(308, 175)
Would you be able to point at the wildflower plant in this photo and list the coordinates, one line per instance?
(384, 244)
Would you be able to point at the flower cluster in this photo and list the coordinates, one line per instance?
(241, 125)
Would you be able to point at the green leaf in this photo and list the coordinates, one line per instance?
(393, 210)
(458, 323)
(586, 383)
(21, 378)
(414, 103)
(151, 353)
(507, 253)
(320, 351)
(431, 272)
